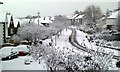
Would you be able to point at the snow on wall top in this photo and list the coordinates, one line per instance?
(113, 15)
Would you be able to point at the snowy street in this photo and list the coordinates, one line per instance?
(68, 36)
(19, 64)
(61, 42)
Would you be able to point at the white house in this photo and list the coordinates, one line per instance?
(79, 19)
(111, 20)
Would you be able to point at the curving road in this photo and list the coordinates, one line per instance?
(74, 42)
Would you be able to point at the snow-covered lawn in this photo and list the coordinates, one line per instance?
(82, 36)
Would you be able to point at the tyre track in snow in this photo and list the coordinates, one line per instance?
(75, 43)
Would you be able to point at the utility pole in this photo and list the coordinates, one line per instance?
(38, 18)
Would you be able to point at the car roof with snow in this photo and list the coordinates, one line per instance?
(22, 48)
(5, 51)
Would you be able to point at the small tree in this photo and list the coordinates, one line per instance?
(76, 12)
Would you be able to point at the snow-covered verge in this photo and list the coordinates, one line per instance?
(113, 44)
(81, 37)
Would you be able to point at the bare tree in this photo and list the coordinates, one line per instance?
(93, 13)
(76, 12)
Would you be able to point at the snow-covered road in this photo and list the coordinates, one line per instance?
(61, 42)
(18, 64)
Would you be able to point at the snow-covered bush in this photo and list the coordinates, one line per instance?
(31, 31)
(69, 60)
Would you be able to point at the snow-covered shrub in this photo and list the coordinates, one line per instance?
(31, 31)
(69, 60)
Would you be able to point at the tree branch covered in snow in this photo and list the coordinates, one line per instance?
(30, 31)
(69, 60)
(93, 13)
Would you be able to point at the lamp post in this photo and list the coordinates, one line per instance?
(38, 18)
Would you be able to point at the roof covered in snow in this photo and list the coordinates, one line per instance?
(79, 17)
(113, 15)
(15, 20)
(40, 20)
(72, 17)
(34, 20)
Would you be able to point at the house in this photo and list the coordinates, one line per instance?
(111, 20)
(3, 28)
(79, 19)
(72, 18)
(76, 19)
(46, 21)
(13, 26)
(41, 21)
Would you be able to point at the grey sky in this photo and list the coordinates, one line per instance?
(52, 7)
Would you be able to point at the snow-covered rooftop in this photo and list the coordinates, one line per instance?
(15, 20)
(113, 15)
(72, 17)
(41, 20)
(79, 17)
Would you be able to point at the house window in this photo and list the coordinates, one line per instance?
(11, 31)
(109, 27)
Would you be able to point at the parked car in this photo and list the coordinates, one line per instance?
(118, 64)
(12, 56)
(22, 53)
(8, 53)
(22, 50)
(27, 62)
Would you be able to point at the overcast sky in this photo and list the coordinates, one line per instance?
(20, 8)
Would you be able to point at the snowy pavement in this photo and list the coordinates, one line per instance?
(18, 64)
(63, 41)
